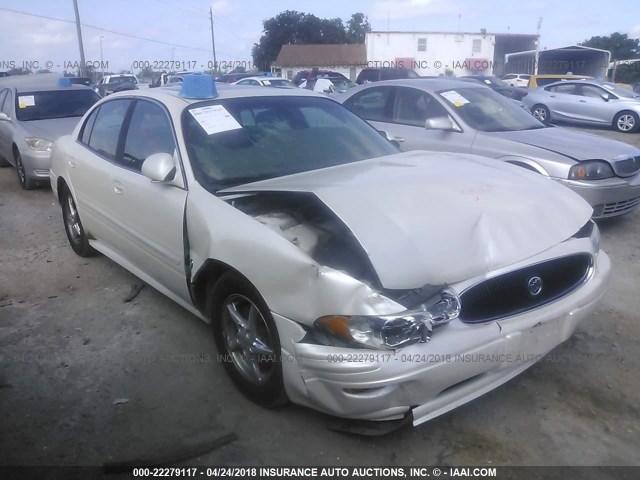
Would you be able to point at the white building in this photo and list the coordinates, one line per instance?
(345, 59)
(437, 53)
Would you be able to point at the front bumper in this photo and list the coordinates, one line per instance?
(460, 363)
(36, 164)
(610, 197)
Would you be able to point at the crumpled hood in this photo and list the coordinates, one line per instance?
(434, 218)
(576, 145)
(51, 129)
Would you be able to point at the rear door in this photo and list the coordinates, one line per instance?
(563, 100)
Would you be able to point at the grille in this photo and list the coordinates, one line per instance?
(510, 294)
(620, 208)
(625, 167)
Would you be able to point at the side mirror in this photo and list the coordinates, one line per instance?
(159, 167)
(4, 117)
(440, 123)
(605, 97)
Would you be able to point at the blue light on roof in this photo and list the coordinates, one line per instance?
(64, 82)
(267, 74)
(198, 86)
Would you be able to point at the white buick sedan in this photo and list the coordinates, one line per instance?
(336, 272)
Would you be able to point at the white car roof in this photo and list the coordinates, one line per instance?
(170, 95)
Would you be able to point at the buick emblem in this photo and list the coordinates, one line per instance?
(535, 286)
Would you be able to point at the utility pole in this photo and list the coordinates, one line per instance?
(101, 62)
(79, 31)
(535, 64)
(213, 42)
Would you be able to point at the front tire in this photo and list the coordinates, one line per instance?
(73, 226)
(542, 113)
(23, 179)
(626, 122)
(247, 339)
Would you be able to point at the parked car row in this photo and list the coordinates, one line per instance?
(347, 268)
(447, 115)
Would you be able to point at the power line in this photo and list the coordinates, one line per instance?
(104, 30)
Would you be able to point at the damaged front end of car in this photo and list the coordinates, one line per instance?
(306, 222)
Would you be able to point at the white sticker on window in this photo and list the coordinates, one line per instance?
(25, 101)
(266, 82)
(215, 119)
(455, 98)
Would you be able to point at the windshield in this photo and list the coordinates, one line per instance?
(273, 136)
(279, 82)
(488, 111)
(620, 91)
(54, 104)
(127, 79)
(495, 81)
(342, 85)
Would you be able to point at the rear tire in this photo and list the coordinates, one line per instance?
(542, 113)
(247, 339)
(73, 226)
(626, 122)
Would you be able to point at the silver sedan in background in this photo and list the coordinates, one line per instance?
(448, 115)
(35, 110)
(588, 102)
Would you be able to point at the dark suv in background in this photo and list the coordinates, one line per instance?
(377, 74)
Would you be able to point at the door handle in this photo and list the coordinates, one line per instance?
(582, 101)
(552, 96)
(117, 187)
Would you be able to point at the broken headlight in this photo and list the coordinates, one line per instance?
(591, 230)
(388, 331)
(595, 238)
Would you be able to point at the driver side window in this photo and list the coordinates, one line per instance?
(413, 107)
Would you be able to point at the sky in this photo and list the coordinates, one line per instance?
(183, 26)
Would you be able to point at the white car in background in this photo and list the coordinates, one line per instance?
(327, 85)
(336, 271)
(266, 82)
(517, 79)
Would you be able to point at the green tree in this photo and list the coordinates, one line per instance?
(619, 44)
(357, 28)
(622, 48)
(292, 27)
(19, 71)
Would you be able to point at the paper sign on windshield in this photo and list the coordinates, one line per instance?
(455, 98)
(26, 101)
(215, 119)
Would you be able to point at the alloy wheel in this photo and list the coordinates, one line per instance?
(626, 122)
(72, 220)
(247, 338)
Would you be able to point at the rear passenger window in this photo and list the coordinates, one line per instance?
(88, 126)
(106, 128)
(149, 132)
(370, 104)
